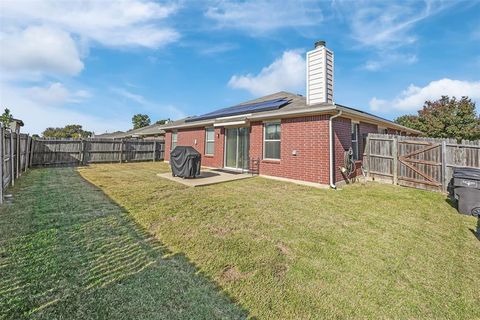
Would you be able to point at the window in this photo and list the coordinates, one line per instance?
(355, 140)
(382, 130)
(271, 145)
(174, 140)
(209, 141)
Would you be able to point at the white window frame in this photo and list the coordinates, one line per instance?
(265, 124)
(211, 141)
(355, 143)
(174, 133)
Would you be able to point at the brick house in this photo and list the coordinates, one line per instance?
(290, 136)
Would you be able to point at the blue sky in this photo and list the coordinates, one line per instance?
(97, 63)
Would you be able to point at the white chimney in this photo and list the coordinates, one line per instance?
(319, 74)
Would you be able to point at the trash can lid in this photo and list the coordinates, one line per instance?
(466, 173)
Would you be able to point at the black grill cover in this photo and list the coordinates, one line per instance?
(185, 162)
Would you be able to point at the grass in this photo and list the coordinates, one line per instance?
(68, 252)
(287, 251)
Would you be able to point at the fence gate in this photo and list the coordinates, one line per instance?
(424, 163)
(420, 164)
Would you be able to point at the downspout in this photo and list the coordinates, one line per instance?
(330, 138)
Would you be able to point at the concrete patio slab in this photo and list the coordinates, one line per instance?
(207, 177)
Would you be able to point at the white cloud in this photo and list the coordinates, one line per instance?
(285, 73)
(45, 40)
(214, 49)
(40, 108)
(168, 111)
(413, 97)
(110, 23)
(49, 37)
(263, 16)
(39, 50)
(388, 58)
(56, 94)
(129, 95)
(386, 29)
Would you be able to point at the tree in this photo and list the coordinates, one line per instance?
(445, 118)
(163, 121)
(69, 131)
(140, 120)
(6, 118)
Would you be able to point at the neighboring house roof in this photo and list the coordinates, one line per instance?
(111, 135)
(153, 129)
(296, 106)
(18, 121)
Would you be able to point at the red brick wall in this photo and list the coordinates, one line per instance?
(307, 135)
(343, 141)
(168, 145)
(195, 137)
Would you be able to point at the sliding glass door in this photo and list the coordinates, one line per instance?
(236, 148)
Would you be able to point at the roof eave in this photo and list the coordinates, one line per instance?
(307, 111)
(376, 119)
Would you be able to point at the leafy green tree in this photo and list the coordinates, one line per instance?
(445, 118)
(140, 120)
(6, 118)
(162, 121)
(69, 131)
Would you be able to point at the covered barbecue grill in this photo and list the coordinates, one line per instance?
(185, 162)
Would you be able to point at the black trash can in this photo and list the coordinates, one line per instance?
(185, 162)
(466, 184)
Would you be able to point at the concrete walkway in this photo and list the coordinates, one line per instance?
(207, 177)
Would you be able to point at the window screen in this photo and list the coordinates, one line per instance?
(272, 141)
(209, 140)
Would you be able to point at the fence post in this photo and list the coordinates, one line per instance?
(32, 146)
(121, 150)
(2, 153)
(12, 159)
(81, 156)
(367, 154)
(17, 167)
(444, 166)
(395, 159)
(27, 150)
(154, 150)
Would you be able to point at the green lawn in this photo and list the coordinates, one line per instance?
(68, 252)
(279, 250)
(287, 251)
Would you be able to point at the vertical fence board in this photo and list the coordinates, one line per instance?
(47, 152)
(12, 160)
(424, 163)
(2, 153)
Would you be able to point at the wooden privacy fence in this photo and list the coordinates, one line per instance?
(72, 152)
(424, 163)
(19, 152)
(14, 157)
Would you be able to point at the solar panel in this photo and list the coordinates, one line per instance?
(240, 109)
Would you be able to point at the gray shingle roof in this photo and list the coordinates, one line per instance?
(297, 105)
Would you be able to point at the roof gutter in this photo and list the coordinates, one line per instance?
(330, 138)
